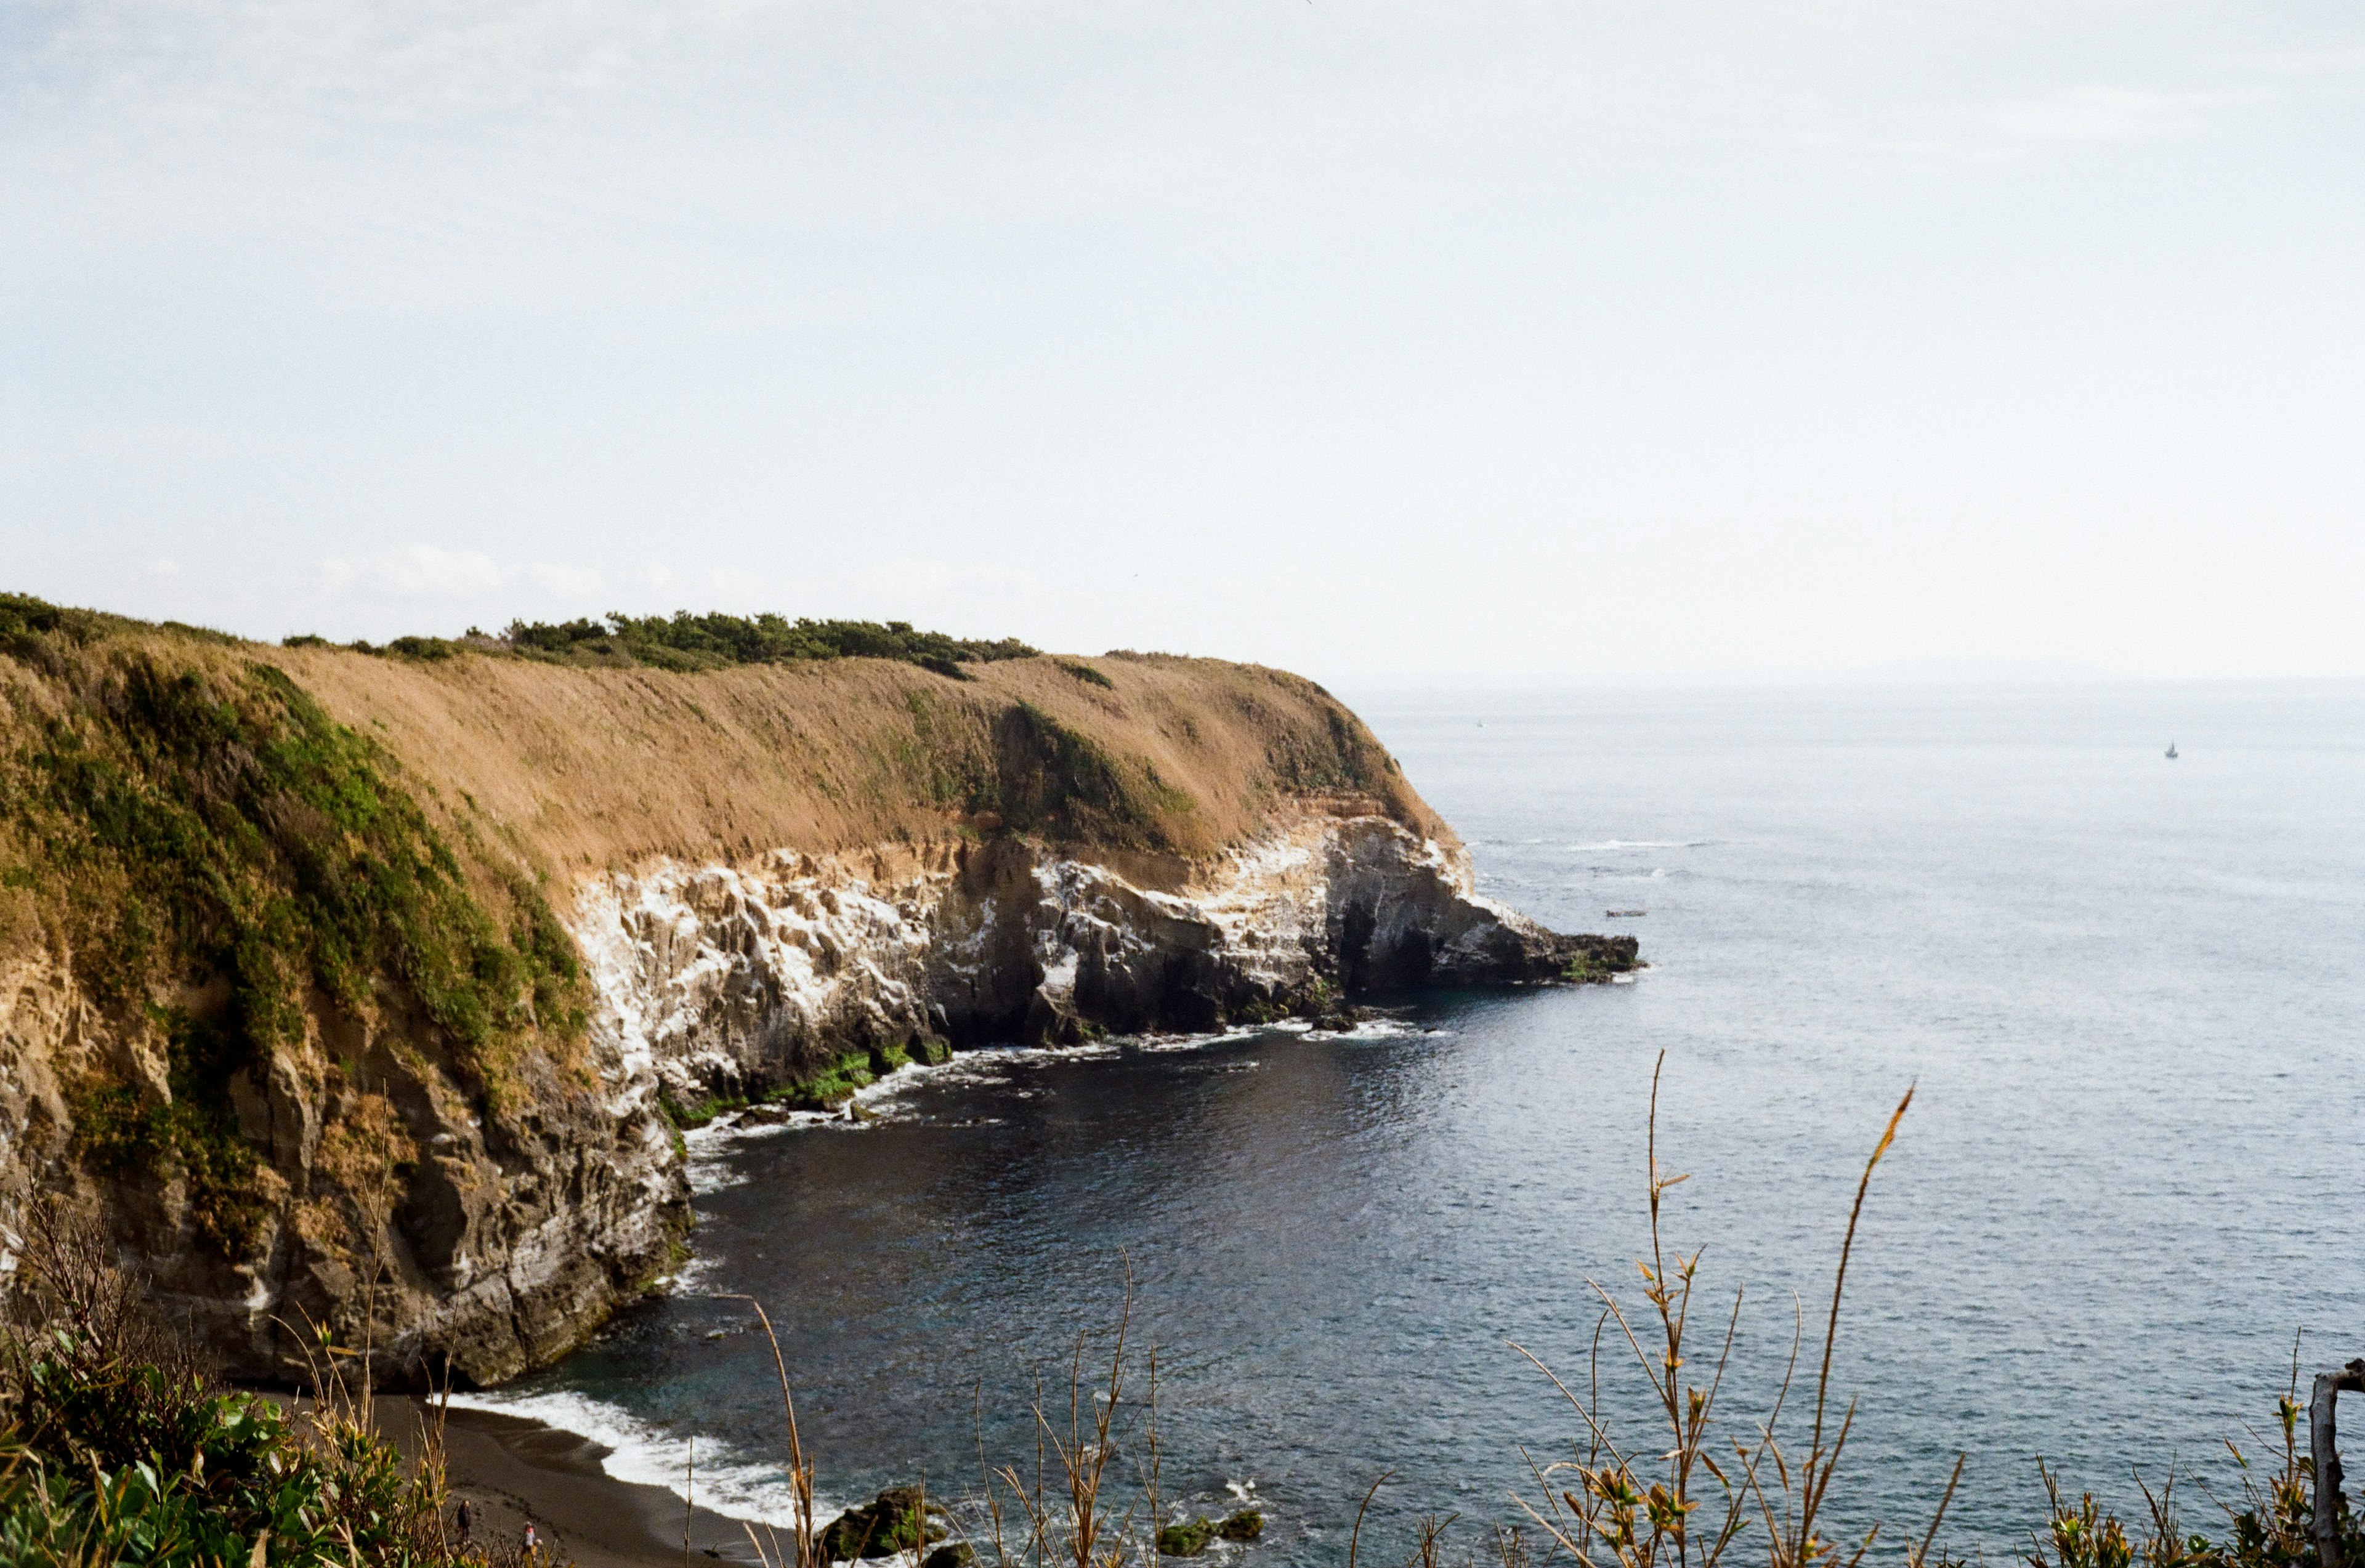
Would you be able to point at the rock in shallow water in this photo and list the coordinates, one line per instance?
(1189, 1537)
(764, 1115)
(1186, 1538)
(896, 1521)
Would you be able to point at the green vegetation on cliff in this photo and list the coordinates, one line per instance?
(714, 640)
(218, 860)
(1054, 779)
(1030, 772)
(825, 1087)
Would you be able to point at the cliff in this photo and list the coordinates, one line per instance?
(361, 993)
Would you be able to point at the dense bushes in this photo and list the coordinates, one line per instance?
(118, 1446)
(679, 641)
(684, 641)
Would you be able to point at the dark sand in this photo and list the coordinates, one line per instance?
(514, 1470)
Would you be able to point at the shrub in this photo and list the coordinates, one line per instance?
(2270, 1526)
(119, 1445)
(685, 641)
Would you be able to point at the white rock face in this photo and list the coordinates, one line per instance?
(703, 972)
(719, 978)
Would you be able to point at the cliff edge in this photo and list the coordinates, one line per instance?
(365, 995)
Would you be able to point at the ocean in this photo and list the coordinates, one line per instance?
(2126, 992)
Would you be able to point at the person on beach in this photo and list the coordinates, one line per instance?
(532, 1545)
(467, 1521)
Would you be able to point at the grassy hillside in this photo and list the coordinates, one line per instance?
(574, 765)
(576, 768)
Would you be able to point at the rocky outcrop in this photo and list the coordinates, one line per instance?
(899, 1519)
(385, 1207)
(733, 980)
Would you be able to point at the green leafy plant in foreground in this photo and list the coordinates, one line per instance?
(2270, 1525)
(118, 1446)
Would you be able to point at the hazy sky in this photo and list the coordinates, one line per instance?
(1464, 338)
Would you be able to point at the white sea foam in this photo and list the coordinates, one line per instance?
(710, 1169)
(729, 1483)
(709, 1165)
(694, 1276)
(1198, 1042)
(1607, 844)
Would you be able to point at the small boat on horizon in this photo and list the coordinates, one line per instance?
(2171, 751)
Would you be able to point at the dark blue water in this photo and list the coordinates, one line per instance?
(2128, 992)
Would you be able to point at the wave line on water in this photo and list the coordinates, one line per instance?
(982, 1066)
(643, 1454)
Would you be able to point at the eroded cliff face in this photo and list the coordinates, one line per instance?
(734, 981)
(386, 1205)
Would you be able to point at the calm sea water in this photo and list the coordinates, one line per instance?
(2128, 991)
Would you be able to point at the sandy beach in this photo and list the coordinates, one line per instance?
(514, 1471)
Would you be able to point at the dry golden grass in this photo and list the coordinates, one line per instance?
(584, 770)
